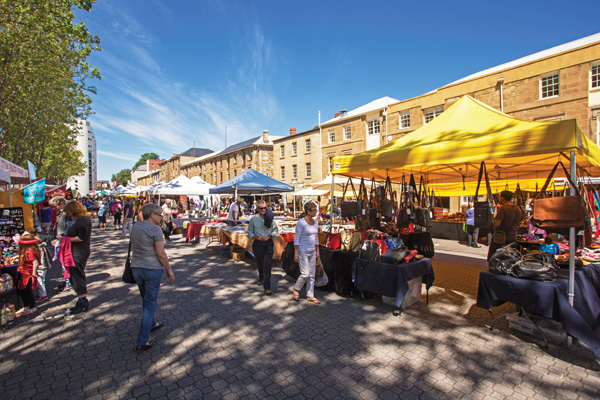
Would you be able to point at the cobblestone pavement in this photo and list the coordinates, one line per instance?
(223, 338)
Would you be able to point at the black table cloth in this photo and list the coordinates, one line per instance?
(390, 280)
(550, 300)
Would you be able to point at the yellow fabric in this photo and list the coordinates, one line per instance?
(456, 188)
(451, 147)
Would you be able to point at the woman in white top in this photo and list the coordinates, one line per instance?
(306, 252)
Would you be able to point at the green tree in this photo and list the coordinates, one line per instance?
(44, 82)
(145, 157)
(121, 177)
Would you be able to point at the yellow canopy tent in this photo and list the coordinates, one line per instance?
(451, 147)
(468, 188)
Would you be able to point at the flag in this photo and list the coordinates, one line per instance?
(35, 193)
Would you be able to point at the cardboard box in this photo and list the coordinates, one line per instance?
(552, 329)
(238, 255)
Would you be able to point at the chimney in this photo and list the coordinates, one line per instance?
(265, 136)
(292, 131)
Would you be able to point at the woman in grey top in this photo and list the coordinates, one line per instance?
(147, 262)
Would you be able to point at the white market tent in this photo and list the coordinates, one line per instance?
(183, 186)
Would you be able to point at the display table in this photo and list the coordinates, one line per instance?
(194, 229)
(550, 300)
(390, 279)
(238, 236)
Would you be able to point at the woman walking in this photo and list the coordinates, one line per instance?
(306, 252)
(147, 262)
(167, 214)
(80, 233)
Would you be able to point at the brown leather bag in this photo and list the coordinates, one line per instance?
(558, 212)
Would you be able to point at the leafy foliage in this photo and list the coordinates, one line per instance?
(145, 157)
(43, 83)
(121, 177)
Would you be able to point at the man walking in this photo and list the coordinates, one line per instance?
(262, 229)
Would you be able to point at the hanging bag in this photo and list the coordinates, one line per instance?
(362, 220)
(387, 205)
(422, 213)
(405, 210)
(558, 212)
(350, 208)
(484, 210)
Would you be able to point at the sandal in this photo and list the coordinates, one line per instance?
(313, 300)
(296, 294)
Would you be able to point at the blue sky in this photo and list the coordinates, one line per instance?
(179, 71)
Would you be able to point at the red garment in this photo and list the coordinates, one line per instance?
(26, 270)
(65, 255)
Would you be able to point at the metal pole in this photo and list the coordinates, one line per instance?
(331, 208)
(572, 243)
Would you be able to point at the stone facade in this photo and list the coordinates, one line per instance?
(216, 168)
(515, 88)
(299, 152)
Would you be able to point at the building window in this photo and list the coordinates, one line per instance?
(347, 132)
(595, 81)
(222, 177)
(294, 171)
(549, 86)
(228, 175)
(282, 173)
(373, 127)
(329, 163)
(307, 145)
(294, 149)
(405, 119)
(432, 113)
(331, 136)
(282, 151)
(308, 170)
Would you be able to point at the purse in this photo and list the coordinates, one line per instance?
(333, 241)
(484, 210)
(350, 208)
(127, 273)
(322, 236)
(559, 212)
(503, 260)
(406, 213)
(422, 213)
(537, 266)
(369, 250)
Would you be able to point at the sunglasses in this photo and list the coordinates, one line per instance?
(261, 208)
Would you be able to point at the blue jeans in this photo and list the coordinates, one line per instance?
(148, 281)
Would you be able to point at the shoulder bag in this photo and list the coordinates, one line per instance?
(558, 212)
(350, 208)
(127, 273)
(484, 210)
(422, 213)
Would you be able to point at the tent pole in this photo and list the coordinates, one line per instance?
(572, 242)
(9, 194)
(331, 207)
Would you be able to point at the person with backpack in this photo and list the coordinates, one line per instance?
(101, 216)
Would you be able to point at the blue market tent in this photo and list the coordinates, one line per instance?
(251, 182)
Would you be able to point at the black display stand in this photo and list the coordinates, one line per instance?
(11, 223)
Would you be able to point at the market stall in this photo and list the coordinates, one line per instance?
(451, 147)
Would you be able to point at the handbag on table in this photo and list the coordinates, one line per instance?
(350, 208)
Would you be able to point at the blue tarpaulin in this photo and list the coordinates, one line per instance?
(250, 182)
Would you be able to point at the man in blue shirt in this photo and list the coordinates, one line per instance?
(261, 230)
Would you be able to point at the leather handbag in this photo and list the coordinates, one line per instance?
(422, 213)
(333, 241)
(394, 256)
(559, 212)
(350, 208)
(423, 243)
(369, 250)
(387, 202)
(537, 266)
(322, 239)
(127, 273)
(503, 260)
(406, 213)
(484, 210)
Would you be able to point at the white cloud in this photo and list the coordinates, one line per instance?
(120, 156)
